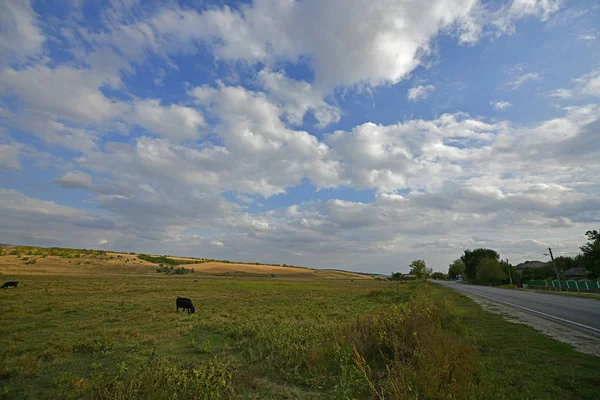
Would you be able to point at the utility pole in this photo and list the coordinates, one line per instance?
(509, 274)
(555, 269)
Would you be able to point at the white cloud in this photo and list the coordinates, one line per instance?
(406, 155)
(20, 36)
(440, 184)
(297, 98)
(561, 93)
(14, 204)
(75, 180)
(420, 92)
(9, 157)
(173, 121)
(392, 40)
(522, 79)
(586, 37)
(500, 105)
(591, 83)
(503, 19)
(63, 91)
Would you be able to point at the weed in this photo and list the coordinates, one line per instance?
(100, 345)
(158, 378)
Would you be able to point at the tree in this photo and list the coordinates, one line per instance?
(564, 263)
(472, 260)
(591, 253)
(456, 268)
(439, 275)
(419, 269)
(491, 272)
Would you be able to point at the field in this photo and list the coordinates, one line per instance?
(106, 328)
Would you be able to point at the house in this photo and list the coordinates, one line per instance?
(576, 273)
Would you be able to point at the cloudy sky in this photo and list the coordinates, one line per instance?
(352, 134)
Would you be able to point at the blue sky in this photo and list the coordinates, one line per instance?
(343, 134)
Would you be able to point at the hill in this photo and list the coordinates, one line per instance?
(26, 260)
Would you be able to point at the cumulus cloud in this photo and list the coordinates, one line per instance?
(173, 121)
(297, 98)
(500, 105)
(392, 42)
(420, 92)
(64, 91)
(163, 163)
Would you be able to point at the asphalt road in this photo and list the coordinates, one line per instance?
(582, 314)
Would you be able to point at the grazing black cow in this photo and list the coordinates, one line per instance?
(186, 304)
(9, 284)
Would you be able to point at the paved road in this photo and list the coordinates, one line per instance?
(573, 311)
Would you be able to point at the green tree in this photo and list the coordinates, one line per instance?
(564, 263)
(456, 268)
(473, 258)
(591, 253)
(419, 269)
(439, 275)
(491, 272)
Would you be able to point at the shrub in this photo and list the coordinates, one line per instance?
(170, 270)
(157, 260)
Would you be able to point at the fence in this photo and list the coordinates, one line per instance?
(579, 286)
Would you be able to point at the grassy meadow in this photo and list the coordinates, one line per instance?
(96, 327)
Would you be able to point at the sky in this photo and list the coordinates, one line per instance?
(346, 134)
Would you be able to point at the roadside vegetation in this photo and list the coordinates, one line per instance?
(118, 336)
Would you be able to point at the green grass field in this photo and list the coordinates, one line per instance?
(118, 336)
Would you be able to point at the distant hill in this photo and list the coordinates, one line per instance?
(533, 264)
(63, 261)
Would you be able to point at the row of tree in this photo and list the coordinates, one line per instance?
(485, 266)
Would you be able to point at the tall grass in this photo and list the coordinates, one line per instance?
(402, 351)
(158, 378)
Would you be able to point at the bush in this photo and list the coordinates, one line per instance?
(157, 260)
(170, 270)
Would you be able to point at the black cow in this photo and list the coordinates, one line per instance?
(186, 304)
(9, 284)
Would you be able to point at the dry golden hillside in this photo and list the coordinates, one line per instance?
(38, 262)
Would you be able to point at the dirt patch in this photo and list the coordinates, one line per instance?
(580, 341)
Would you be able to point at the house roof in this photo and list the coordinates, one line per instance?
(576, 271)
